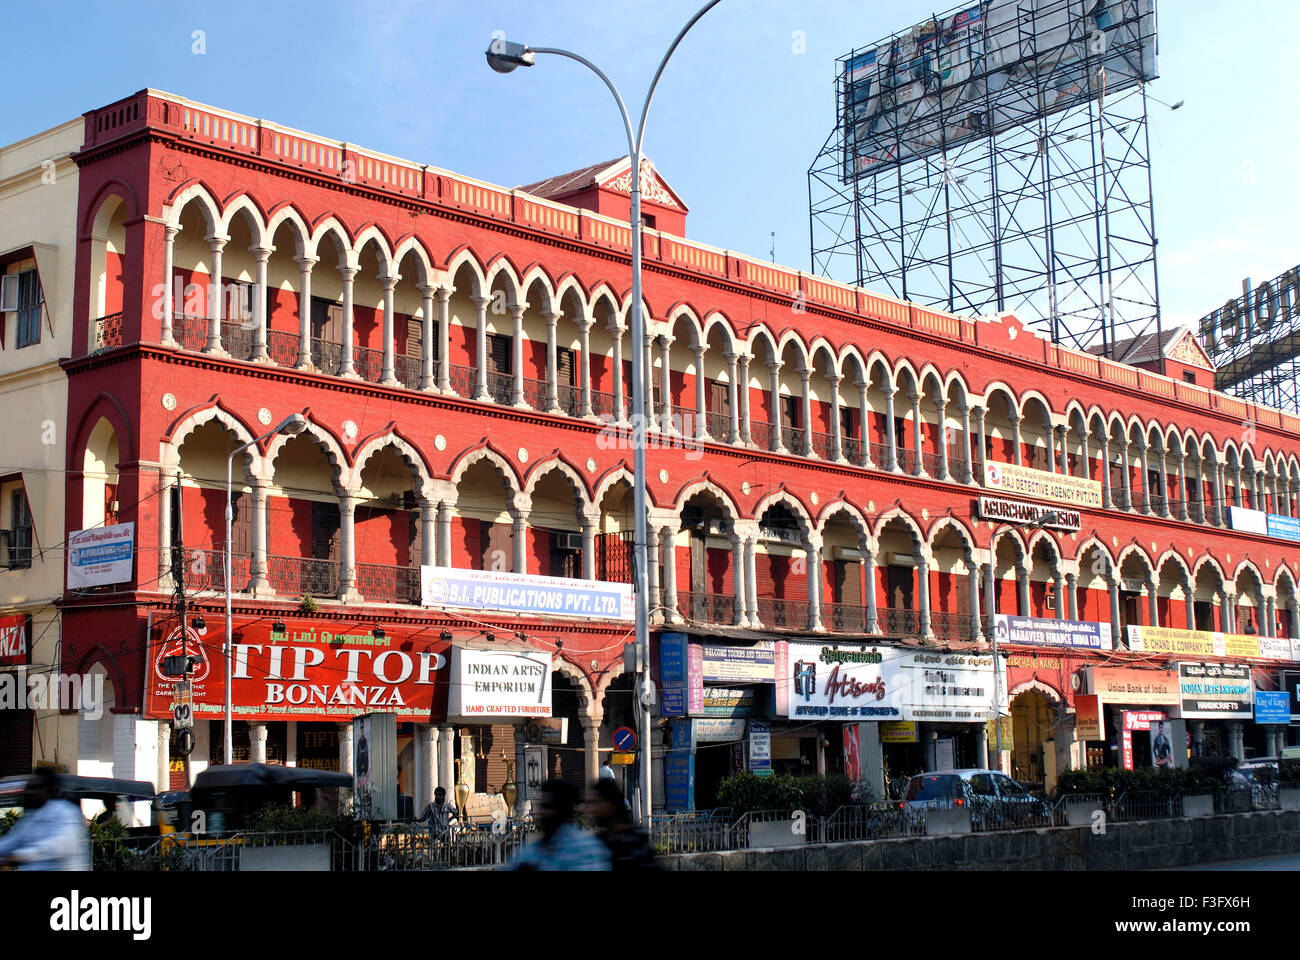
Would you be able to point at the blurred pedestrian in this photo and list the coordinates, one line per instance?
(562, 845)
(439, 814)
(628, 844)
(51, 834)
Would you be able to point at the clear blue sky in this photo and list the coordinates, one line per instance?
(738, 118)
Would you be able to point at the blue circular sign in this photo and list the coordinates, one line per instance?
(624, 739)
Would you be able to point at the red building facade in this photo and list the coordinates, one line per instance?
(461, 352)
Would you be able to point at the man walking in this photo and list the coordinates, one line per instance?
(562, 845)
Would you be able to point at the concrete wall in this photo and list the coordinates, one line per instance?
(1147, 845)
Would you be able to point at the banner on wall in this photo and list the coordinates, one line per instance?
(525, 593)
(1132, 685)
(1060, 488)
(1043, 631)
(101, 556)
(1216, 691)
(499, 683)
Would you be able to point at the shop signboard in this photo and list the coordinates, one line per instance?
(315, 669)
(1247, 520)
(1145, 720)
(991, 733)
(1021, 511)
(723, 664)
(13, 640)
(760, 747)
(1272, 706)
(1087, 717)
(1215, 691)
(499, 683)
(888, 683)
(851, 733)
(1241, 645)
(1134, 686)
(719, 729)
(1285, 528)
(679, 781)
(1186, 643)
(728, 701)
(101, 555)
(1274, 648)
(1044, 631)
(898, 731)
(1007, 478)
(672, 673)
(524, 593)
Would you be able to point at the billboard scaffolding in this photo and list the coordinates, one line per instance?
(996, 159)
(1254, 341)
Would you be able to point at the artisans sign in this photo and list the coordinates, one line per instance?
(499, 683)
(1057, 487)
(1216, 690)
(1019, 511)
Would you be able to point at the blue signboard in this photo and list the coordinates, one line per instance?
(1287, 528)
(679, 781)
(672, 674)
(1272, 706)
(1041, 631)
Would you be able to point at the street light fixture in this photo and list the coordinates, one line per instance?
(290, 426)
(1044, 520)
(503, 57)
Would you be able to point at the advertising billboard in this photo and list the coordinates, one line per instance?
(1056, 487)
(100, 556)
(984, 68)
(524, 593)
(1043, 631)
(1212, 691)
(498, 683)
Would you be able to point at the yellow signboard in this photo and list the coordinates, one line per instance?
(1010, 479)
(898, 731)
(1188, 643)
(1240, 645)
(619, 759)
(993, 736)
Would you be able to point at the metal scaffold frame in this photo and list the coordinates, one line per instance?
(1037, 202)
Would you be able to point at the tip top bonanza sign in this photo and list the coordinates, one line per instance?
(313, 670)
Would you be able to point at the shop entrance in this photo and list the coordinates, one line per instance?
(1032, 715)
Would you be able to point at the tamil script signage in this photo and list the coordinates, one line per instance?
(499, 683)
(887, 683)
(100, 556)
(754, 664)
(1216, 690)
(1019, 511)
(1203, 643)
(525, 593)
(1131, 685)
(719, 729)
(1042, 631)
(1057, 487)
(313, 670)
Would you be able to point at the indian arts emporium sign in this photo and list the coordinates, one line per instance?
(509, 682)
(312, 670)
(1211, 691)
(885, 683)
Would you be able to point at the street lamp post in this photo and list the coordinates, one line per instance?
(993, 627)
(290, 426)
(503, 57)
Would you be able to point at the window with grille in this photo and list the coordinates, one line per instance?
(500, 354)
(29, 308)
(20, 544)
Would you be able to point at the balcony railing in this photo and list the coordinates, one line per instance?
(207, 571)
(380, 583)
(898, 622)
(282, 347)
(501, 388)
(602, 404)
(570, 400)
(783, 614)
(409, 371)
(297, 576)
(951, 626)
(844, 617)
(327, 356)
(880, 455)
(718, 425)
(239, 338)
(707, 607)
(368, 363)
(537, 393)
(108, 332)
(761, 434)
(852, 449)
(824, 445)
(462, 379)
(190, 331)
(907, 461)
(793, 438)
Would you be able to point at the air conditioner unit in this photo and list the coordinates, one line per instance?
(4, 549)
(568, 541)
(9, 292)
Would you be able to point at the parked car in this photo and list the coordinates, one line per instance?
(994, 799)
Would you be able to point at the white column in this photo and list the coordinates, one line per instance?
(1143, 447)
(444, 338)
(481, 347)
(257, 741)
(778, 441)
(589, 548)
(871, 623)
(447, 761)
(1125, 478)
(891, 438)
(665, 385)
(701, 413)
(552, 363)
(980, 443)
(742, 389)
(388, 376)
(584, 331)
(738, 579)
(424, 767)
(345, 747)
(837, 441)
(814, 574)
(968, 471)
(257, 564)
(520, 544)
(347, 549)
(652, 563)
(216, 243)
(1116, 626)
(346, 365)
(918, 470)
(943, 437)
(864, 424)
(517, 345)
(751, 581)
(304, 310)
(168, 307)
(428, 531)
(444, 534)
(923, 596)
(1072, 596)
(733, 399)
(428, 382)
(973, 585)
(805, 411)
(1017, 453)
(262, 255)
(669, 554)
(616, 338)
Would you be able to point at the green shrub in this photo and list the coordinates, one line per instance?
(276, 818)
(1288, 771)
(1112, 781)
(819, 796)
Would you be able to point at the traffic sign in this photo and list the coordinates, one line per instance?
(622, 759)
(624, 739)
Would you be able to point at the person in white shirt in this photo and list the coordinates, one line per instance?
(51, 834)
(606, 771)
